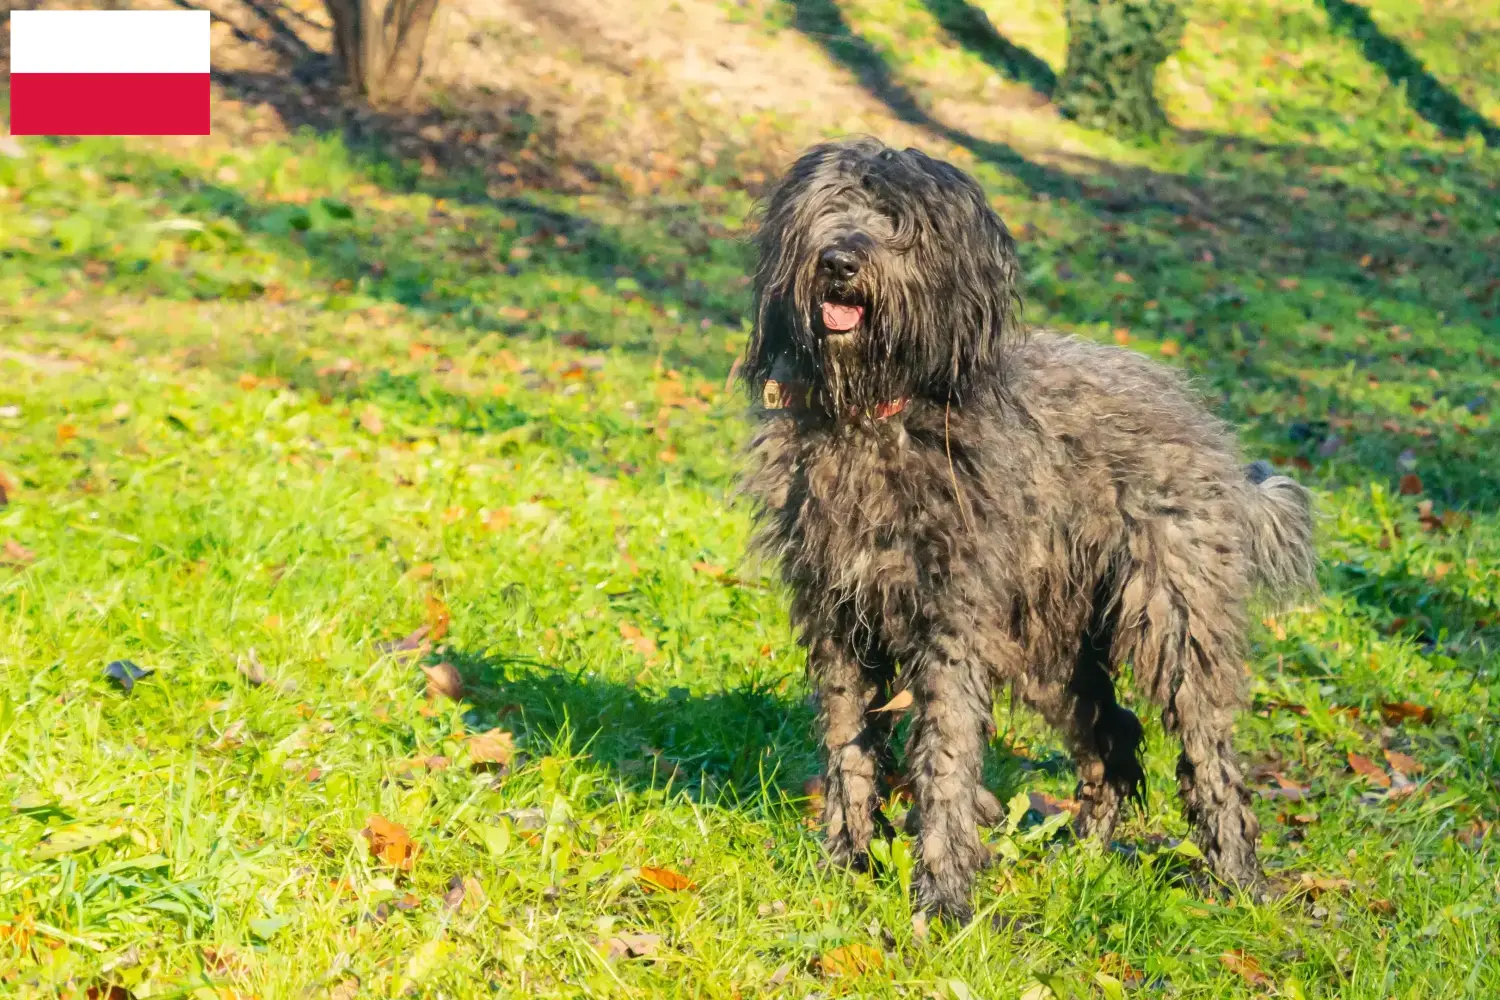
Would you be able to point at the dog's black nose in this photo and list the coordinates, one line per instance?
(841, 265)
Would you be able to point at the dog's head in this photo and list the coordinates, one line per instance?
(883, 274)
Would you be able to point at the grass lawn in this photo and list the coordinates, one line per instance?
(417, 504)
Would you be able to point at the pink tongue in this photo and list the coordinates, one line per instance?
(840, 318)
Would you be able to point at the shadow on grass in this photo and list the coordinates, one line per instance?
(971, 28)
(737, 740)
(1427, 95)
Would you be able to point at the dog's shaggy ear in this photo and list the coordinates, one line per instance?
(963, 258)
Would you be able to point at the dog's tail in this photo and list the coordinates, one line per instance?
(1279, 533)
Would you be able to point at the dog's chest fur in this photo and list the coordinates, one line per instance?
(861, 516)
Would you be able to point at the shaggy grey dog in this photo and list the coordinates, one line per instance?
(959, 506)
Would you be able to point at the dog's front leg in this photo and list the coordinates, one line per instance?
(944, 766)
(855, 746)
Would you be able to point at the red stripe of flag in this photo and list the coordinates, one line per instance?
(109, 104)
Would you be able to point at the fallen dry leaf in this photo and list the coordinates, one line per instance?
(464, 894)
(665, 878)
(1286, 789)
(1383, 907)
(370, 420)
(491, 750)
(1397, 712)
(708, 569)
(851, 960)
(813, 789)
(13, 553)
(444, 679)
(1403, 764)
(390, 842)
(124, 674)
(637, 640)
(66, 433)
(233, 736)
(414, 642)
(1315, 885)
(249, 666)
(1246, 966)
(1367, 768)
(631, 946)
(1170, 349)
(1049, 806)
(433, 763)
(1475, 833)
(438, 618)
(1411, 485)
(900, 703)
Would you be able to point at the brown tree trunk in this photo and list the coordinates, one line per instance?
(379, 44)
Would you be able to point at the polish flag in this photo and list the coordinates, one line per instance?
(109, 72)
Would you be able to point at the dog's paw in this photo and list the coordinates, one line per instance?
(843, 854)
(942, 898)
(987, 808)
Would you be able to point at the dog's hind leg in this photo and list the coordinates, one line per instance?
(949, 733)
(1105, 737)
(856, 745)
(1186, 646)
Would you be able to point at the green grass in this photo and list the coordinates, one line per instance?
(300, 400)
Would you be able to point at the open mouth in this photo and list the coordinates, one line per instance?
(840, 317)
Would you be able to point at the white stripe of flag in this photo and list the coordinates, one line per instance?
(109, 72)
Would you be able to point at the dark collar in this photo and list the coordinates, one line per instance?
(776, 395)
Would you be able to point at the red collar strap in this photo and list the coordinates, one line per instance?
(793, 395)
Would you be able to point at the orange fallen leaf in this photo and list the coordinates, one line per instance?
(390, 842)
(813, 789)
(1403, 764)
(1384, 907)
(708, 569)
(1316, 885)
(1367, 768)
(1049, 806)
(444, 679)
(900, 703)
(1122, 336)
(1411, 484)
(437, 618)
(66, 433)
(1122, 278)
(851, 960)
(13, 553)
(1396, 712)
(370, 420)
(665, 878)
(493, 749)
(1246, 966)
(637, 640)
(1170, 349)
